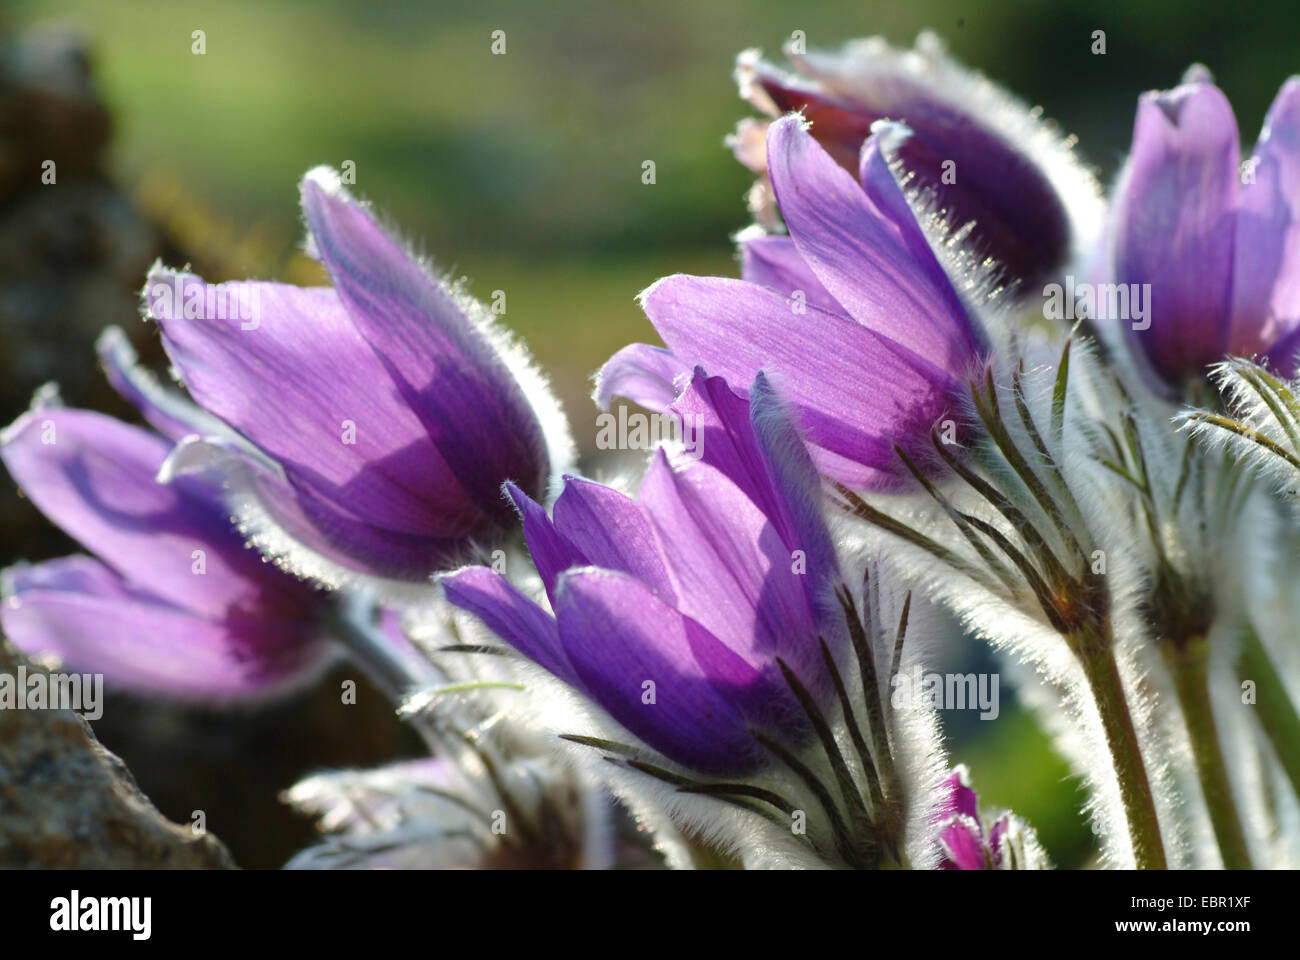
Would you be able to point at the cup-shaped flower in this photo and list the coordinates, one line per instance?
(172, 602)
(967, 844)
(388, 409)
(852, 313)
(1211, 244)
(685, 613)
(440, 814)
(412, 815)
(981, 156)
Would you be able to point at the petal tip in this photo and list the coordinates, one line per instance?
(157, 272)
(522, 501)
(792, 124)
(890, 135)
(655, 290)
(325, 180)
(114, 349)
(1195, 100)
(45, 398)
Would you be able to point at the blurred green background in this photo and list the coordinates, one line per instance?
(523, 172)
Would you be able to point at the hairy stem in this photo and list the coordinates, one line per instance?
(1187, 662)
(1098, 662)
(1273, 706)
(354, 625)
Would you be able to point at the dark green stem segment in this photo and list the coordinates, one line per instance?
(1098, 662)
(1273, 706)
(1187, 662)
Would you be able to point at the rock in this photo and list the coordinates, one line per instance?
(67, 802)
(49, 108)
(73, 259)
(73, 252)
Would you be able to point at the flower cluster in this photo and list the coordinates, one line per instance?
(892, 434)
(969, 843)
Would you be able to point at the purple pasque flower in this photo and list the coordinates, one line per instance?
(384, 412)
(672, 611)
(172, 602)
(852, 312)
(1218, 242)
(977, 153)
(966, 844)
